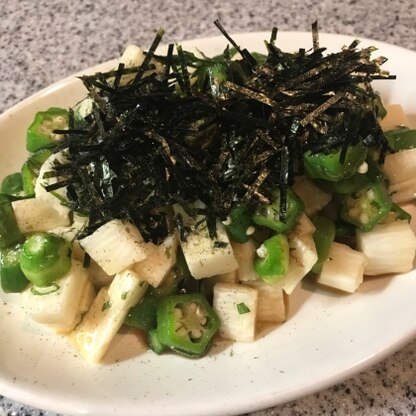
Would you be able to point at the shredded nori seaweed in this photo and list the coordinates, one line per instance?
(234, 134)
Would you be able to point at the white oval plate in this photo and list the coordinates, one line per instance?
(328, 336)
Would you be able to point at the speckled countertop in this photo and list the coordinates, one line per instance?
(44, 41)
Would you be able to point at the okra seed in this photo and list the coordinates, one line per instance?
(364, 218)
(261, 251)
(250, 230)
(178, 313)
(228, 221)
(196, 333)
(363, 168)
(370, 194)
(353, 212)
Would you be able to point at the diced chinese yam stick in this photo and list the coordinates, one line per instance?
(236, 306)
(343, 269)
(159, 263)
(245, 254)
(389, 248)
(302, 257)
(204, 256)
(116, 245)
(400, 167)
(59, 307)
(312, 196)
(34, 215)
(87, 298)
(404, 191)
(271, 304)
(57, 199)
(93, 335)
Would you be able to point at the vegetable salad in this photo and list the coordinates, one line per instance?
(187, 197)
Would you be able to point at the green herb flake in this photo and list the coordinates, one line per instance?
(124, 295)
(242, 308)
(168, 252)
(106, 305)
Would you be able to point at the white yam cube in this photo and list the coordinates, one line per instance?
(57, 199)
(395, 117)
(303, 226)
(400, 167)
(84, 108)
(116, 245)
(59, 307)
(133, 56)
(93, 335)
(344, 268)
(312, 196)
(87, 298)
(228, 299)
(302, 257)
(204, 256)
(160, 262)
(271, 305)
(389, 248)
(404, 191)
(34, 215)
(245, 253)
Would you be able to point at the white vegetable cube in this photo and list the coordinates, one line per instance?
(93, 335)
(56, 199)
(312, 196)
(236, 306)
(302, 257)
(403, 191)
(401, 166)
(304, 226)
(88, 296)
(59, 307)
(245, 253)
(35, 214)
(116, 245)
(133, 56)
(159, 263)
(84, 108)
(271, 304)
(389, 248)
(343, 269)
(204, 256)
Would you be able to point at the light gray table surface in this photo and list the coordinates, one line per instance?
(44, 41)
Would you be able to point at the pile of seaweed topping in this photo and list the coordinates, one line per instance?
(224, 130)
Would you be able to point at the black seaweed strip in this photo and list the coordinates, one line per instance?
(168, 61)
(145, 64)
(119, 73)
(273, 35)
(184, 71)
(244, 53)
(315, 36)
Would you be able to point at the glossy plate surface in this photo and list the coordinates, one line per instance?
(328, 336)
